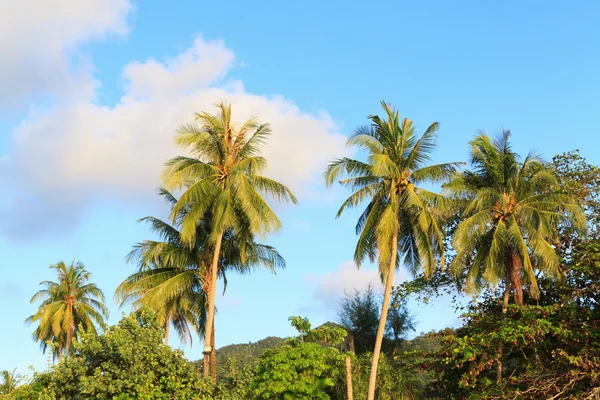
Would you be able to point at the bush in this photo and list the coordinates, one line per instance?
(129, 361)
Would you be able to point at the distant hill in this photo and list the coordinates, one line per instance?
(246, 354)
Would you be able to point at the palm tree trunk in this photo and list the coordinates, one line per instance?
(213, 356)
(349, 378)
(382, 319)
(501, 345)
(167, 332)
(205, 364)
(211, 298)
(71, 331)
(68, 344)
(517, 284)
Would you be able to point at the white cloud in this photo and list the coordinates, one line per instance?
(330, 287)
(66, 157)
(39, 40)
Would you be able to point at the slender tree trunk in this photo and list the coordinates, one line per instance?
(71, 331)
(213, 356)
(382, 319)
(349, 378)
(205, 361)
(350, 342)
(167, 332)
(211, 299)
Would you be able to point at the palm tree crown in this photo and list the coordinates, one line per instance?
(173, 278)
(67, 304)
(223, 176)
(512, 208)
(401, 221)
(396, 164)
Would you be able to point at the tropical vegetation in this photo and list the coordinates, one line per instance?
(520, 235)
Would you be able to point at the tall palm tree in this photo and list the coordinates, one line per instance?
(67, 304)
(401, 220)
(512, 208)
(174, 277)
(222, 177)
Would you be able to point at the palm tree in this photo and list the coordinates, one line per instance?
(173, 277)
(68, 304)
(512, 208)
(400, 220)
(10, 381)
(223, 178)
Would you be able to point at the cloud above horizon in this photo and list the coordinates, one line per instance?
(66, 157)
(330, 287)
(40, 42)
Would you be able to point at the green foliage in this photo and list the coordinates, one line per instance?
(127, 361)
(245, 355)
(394, 381)
(326, 335)
(549, 351)
(303, 371)
(581, 179)
(235, 381)
(69, 305)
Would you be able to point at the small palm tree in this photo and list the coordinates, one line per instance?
(512, 209)
(10, 381)
(173, 278)
(223, 178)
(68, 304)
(401, 220)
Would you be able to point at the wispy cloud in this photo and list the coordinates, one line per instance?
(330, 287)
(11, 290)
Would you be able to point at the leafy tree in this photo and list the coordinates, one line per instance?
(359, 314)
(401, 220)
(222, 177)
(303, 371)
(68, 305)
(576, 176)
(173, 277)
(128, 361)
(399, 322)
(550, 350)
(512, 213)
(235, 382)
(305, 368)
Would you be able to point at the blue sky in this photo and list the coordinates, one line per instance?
(94, 90)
